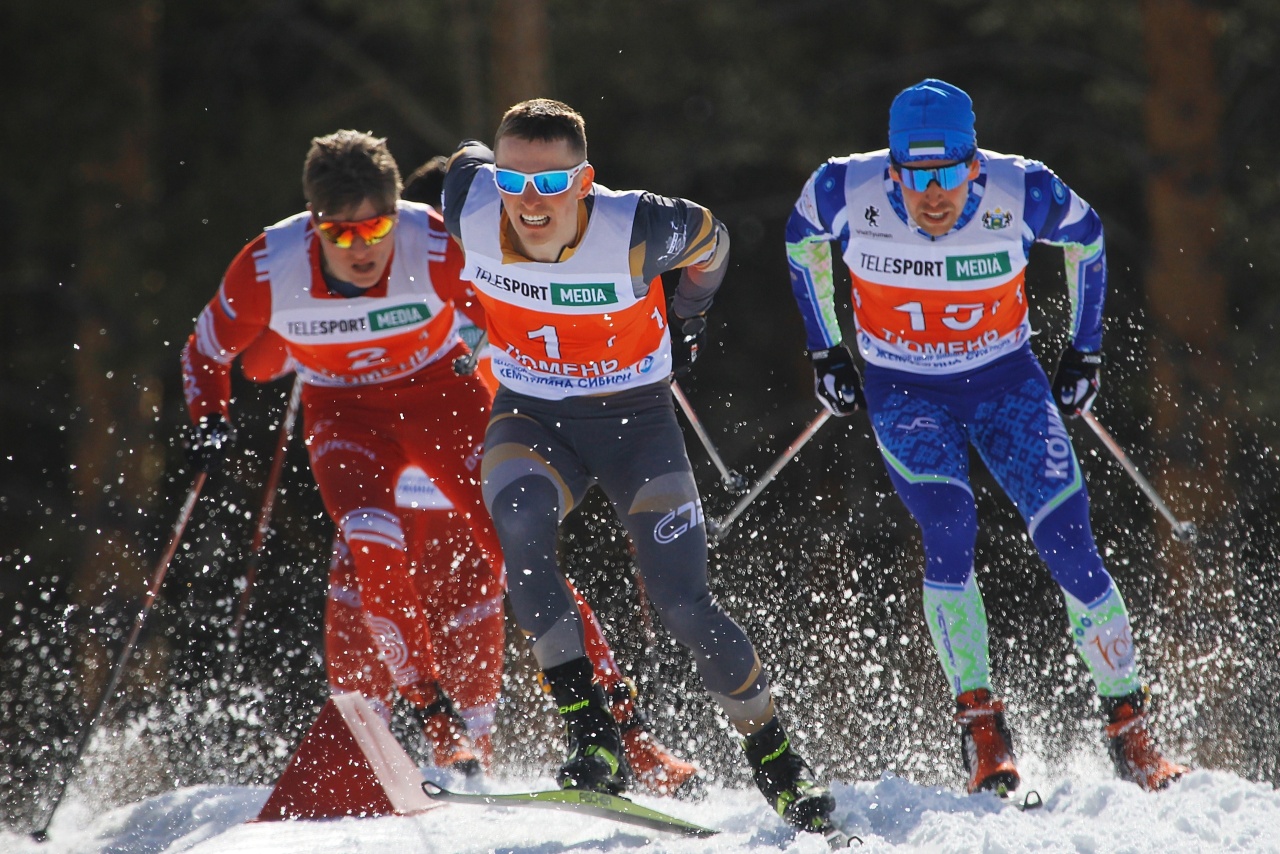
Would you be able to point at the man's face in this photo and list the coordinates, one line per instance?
(361, 264)
(543, 225)
(934, 209)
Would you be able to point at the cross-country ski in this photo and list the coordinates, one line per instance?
(599, 804)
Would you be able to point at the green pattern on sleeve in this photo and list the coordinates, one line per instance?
(1077, 256)
(812, 257)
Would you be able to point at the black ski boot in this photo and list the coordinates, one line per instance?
(786, 781)
(597, 761)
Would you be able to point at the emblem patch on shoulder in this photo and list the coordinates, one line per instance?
(996, 219)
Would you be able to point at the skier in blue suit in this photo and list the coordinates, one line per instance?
(936, 234)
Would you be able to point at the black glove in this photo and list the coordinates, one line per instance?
(836, 381)
(206, 440)
(688, 336)
(1077, 381)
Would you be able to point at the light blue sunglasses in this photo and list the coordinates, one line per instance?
(546, 183)
(919, 178)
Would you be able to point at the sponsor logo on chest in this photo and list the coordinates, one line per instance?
(397, 316)
(966, 268)
(378, 320)
(950, 268)
(571, 294)
(602, 293)
(491, 281)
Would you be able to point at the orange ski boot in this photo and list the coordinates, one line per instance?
(986, 745)
(657, 770)
(446, 732)
(1133, 750)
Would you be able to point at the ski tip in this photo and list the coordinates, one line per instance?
(432, 789)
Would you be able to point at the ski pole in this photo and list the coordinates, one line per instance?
(465, 366)
(264, 519)
(162, 567)
(717, 530)
(731, 479)
(1182, 531)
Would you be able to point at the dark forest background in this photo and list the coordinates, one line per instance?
(145, 142)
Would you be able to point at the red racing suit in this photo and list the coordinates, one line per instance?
(380, 395)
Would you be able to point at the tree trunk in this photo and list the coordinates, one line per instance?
(476, 122)
(117, 465)
(520, 52)
(1191, 380)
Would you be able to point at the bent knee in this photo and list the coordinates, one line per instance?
(508, 462)
(525, 510)
(688, 620)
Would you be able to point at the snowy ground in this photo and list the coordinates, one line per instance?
(1205, 812)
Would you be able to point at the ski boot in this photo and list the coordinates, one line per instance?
(986, 745)
(597, 761)
(446, 732)
(786, 781)
(1132, 749)
(657, 770)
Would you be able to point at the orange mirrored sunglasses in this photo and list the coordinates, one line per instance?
(343, 234)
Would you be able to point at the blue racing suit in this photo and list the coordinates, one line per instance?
(942, 325)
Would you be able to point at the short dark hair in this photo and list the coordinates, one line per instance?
(346, 167)
(427, 182)
(544, 120)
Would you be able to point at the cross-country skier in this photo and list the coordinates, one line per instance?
(936, 234)
(568, 273)
(437, 543)
(360, 296)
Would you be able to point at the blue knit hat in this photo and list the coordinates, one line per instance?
(931, 120)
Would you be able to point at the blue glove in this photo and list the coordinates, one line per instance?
(205, 442)
(836, 381)
(1077, 381)
(688, 336)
